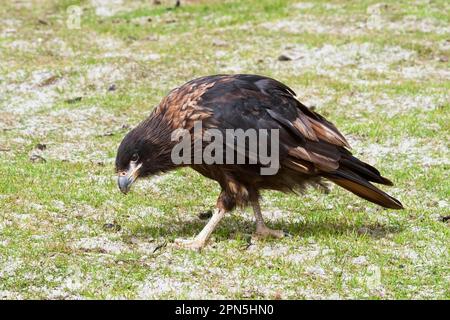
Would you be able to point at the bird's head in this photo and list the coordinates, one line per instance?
(145, 151)
(134, 159)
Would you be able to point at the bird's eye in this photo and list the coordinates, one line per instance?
(134, 157)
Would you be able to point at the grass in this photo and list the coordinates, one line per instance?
(67, 233)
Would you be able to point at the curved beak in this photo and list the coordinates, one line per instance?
(125, 183)
(126, 178)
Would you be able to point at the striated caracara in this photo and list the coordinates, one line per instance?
(309, 149)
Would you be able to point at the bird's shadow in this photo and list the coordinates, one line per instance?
(233, 226)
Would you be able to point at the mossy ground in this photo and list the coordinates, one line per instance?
(379, 71)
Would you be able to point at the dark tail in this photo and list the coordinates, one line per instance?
(355, 176)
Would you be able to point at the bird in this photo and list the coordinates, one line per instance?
(311, 150)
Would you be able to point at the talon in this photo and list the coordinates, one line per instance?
(264, 232)
(190, 244)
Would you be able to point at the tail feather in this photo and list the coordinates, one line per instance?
(364, 170)
(363, 188)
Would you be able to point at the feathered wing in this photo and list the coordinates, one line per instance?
(313, 146)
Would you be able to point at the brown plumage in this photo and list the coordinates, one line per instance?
(311, 148)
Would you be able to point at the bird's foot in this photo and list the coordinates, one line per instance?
(263, 231)
(192, 244)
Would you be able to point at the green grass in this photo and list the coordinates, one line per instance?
(386, 88)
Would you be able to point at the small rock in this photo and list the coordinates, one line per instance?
(284, 57)
(112, 227)
(443, 59)
(43, 22)
(205, 215)
(41, 146)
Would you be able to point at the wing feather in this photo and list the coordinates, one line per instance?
(327, 134)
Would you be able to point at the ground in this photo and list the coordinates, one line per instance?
(68, 95)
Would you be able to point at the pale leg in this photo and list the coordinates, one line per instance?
(202, 238)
